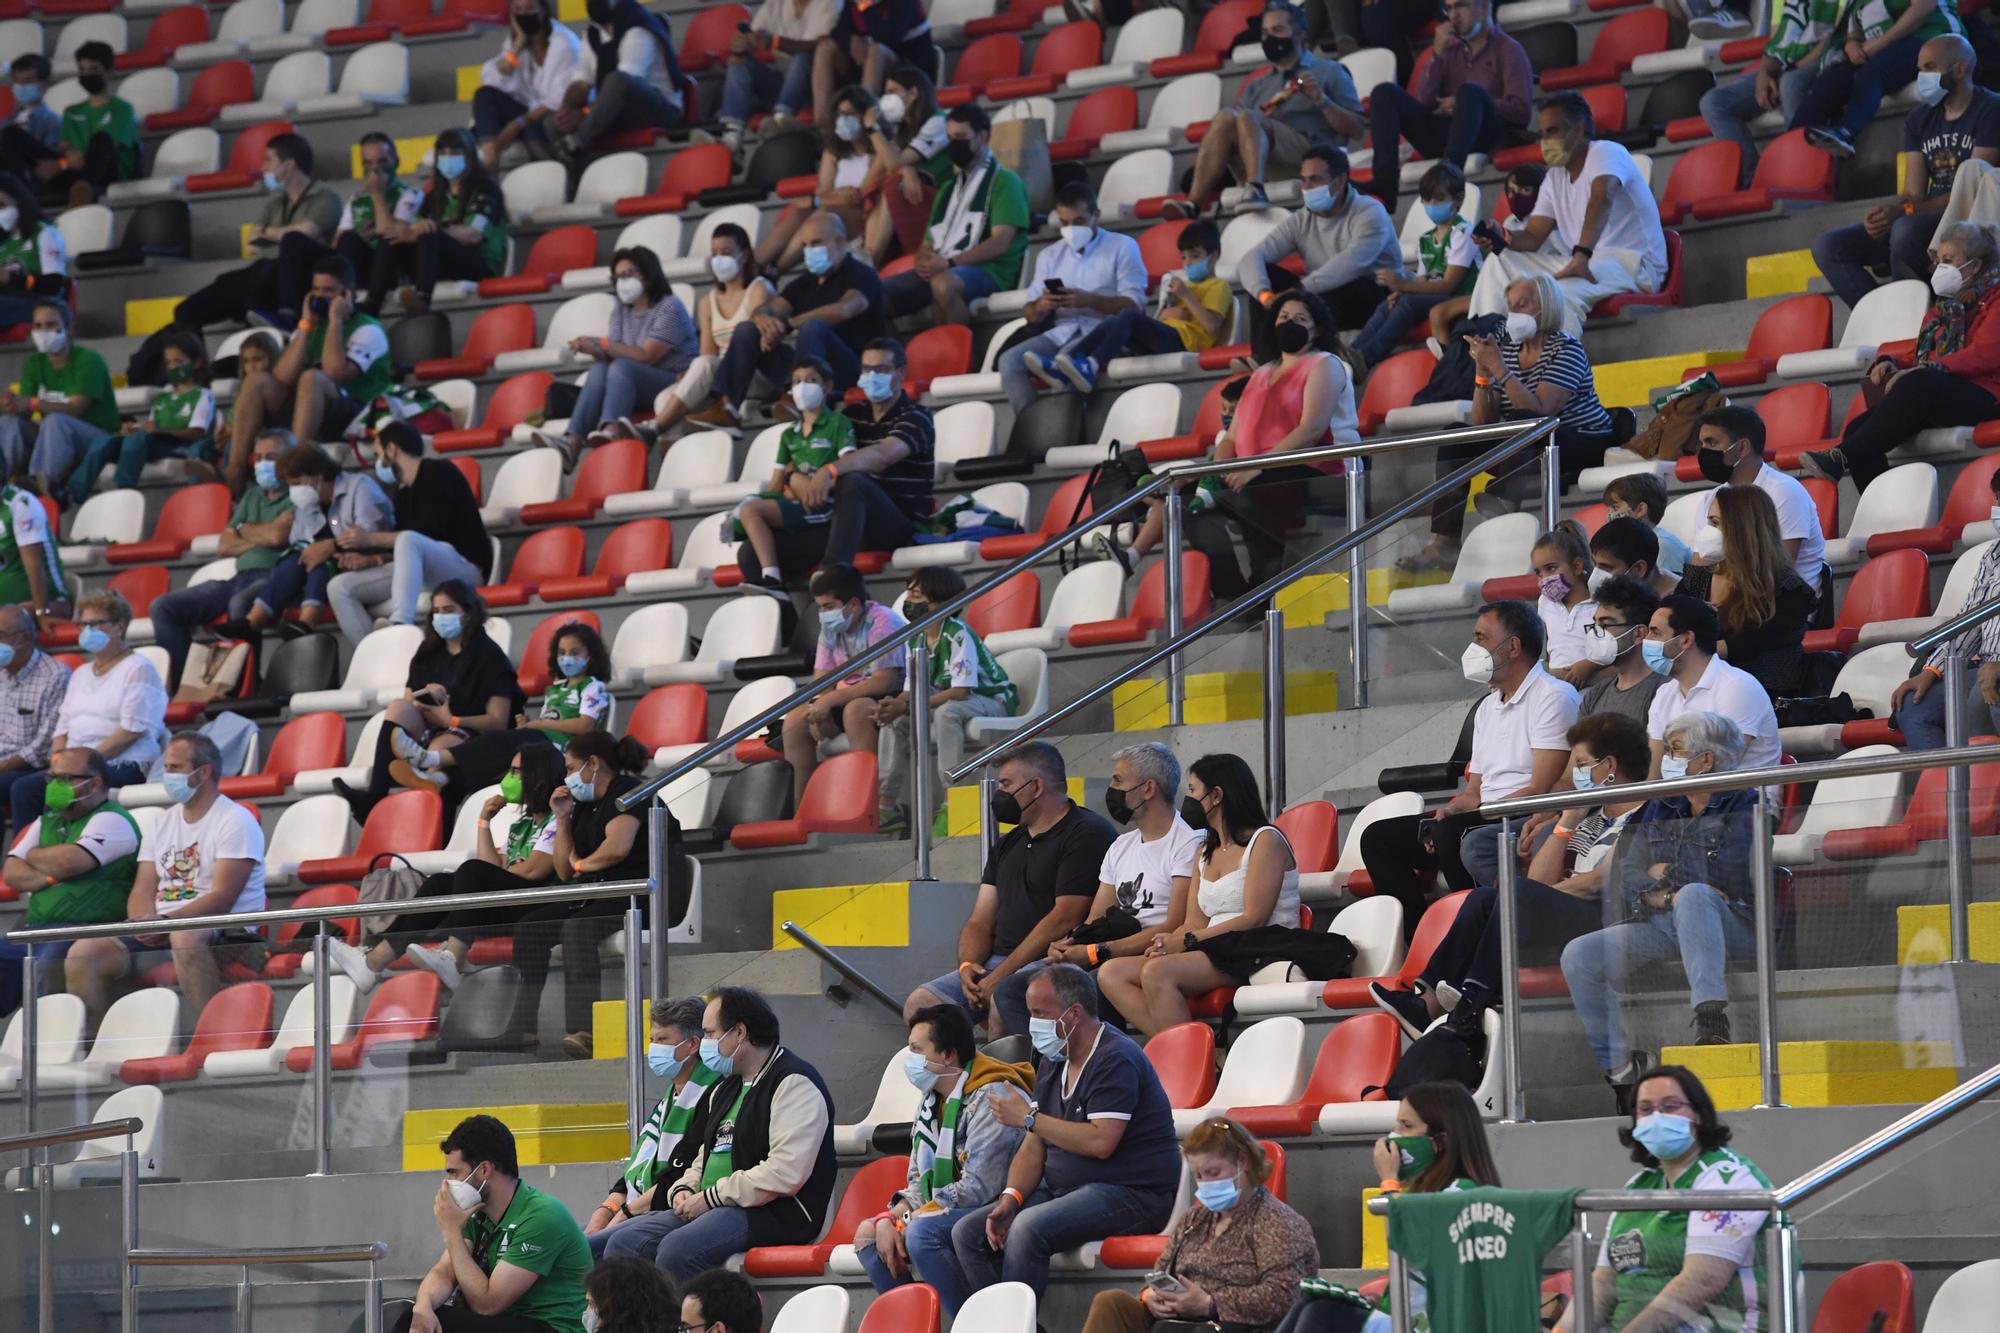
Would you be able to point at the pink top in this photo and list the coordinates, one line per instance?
(1274, 401)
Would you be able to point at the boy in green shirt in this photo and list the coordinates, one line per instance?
(70, 388)
(978, 235)
(797, 495)
(100, 134)
(182, 414)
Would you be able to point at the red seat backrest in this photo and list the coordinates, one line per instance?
(1854, 1298)
(1275, 1156)
(534, 674)
(398, 11)
(1313, 829)
(1015, 604)
(1895, 585)
(697, 167)
(308, 741)
(504, 328)
(518, 397)
(561, 250)
(140, 584)
(326, 895)
(611, 469)
(1790, 163)
(1184, 1058)
(1826, 499)
(234, 1019)
(1591, 517)
(1072, 46)
(1160, 247)
(403, 821)
(1607, 107)
(840, 789)
(1358, 1053)
(943, 350)
(868, 1192)
(247, 153)
(222, 85)
(553, 553)
(1056, 518)
(1797, 324)
(1394, 384)
(994, 56)
(708, 33)
(642, 544)
(1224, 25)
(910, 1308)
(1703, 171)
(475, 476)
(1101, 112)
(1971, 498)
(193, 511)
(1208, 418)
(1149, 603)
(670, 715)
(405, 1006)
(1630, 35)
(179, 26)
(1796, 414)
(1431, 931)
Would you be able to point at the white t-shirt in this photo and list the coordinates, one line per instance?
(1564, 628)
(1736, 695)
(367, 345)
(185, 855)
(129, 697)
(1633, 222)
(1506, 732)
(1143, 873)
(30, 517)
(1798, 519)
(107, 836)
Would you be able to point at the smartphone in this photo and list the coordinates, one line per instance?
(1160, 1280)
(1053, 285)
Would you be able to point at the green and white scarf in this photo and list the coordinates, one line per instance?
(663, 1131)
(936, 1143)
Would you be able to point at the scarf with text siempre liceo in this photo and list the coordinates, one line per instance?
(1943, 332)
(935, 1140)
(663, 1130)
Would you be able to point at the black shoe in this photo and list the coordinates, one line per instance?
(1406, 1007)
(1830, 464)
(238, 629)
(1468, 1017)
(296, 629)
(358, 802)
(1711, 1023)
(1833, 141)
(1625, 1082)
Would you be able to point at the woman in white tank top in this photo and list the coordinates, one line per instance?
(1245, 877)
(739, 292)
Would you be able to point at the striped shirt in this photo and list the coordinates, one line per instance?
(910, 480)
(1566, 365)
(28, 722)
(1981, 644)
(667, 321)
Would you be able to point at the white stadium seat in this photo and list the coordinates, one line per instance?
(243, 21)
(603, 183)
(375, 674)
(1144, 38)
(137, 1026)
(1868, 801)
(696, 460)
(295, 1031)
(896, 1103)
(746, 627)
(651, 636)
(1965, 1301)
(1328, 886)
(1266, 1066)
(532, 186)
(109, 28)
(59, 1023)
(1146, 174)
(814, 1310)
(295, 78)
(1094, 590)
(587, 314)
(759, 462)
(1006, 1307)
(1868, 678)
(151, 90)
(964, 431)
(1902, 498)
(704, 550)
(99, 1159)
(530, 476)
(1374, 926)
(1499, 546)
(1888, 314)
(1028, 668)
(313, 829)
(310, 21)
(1369, 66)
(183, 153)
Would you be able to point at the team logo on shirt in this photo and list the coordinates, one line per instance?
(1733, 1225)
(1494, 1224)
(1627, 1252)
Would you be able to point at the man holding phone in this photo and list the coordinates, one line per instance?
(335, 364)
(1091, 274)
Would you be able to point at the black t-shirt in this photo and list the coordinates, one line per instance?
(439, 504)
(910, 482)
(1945, 143)
(849, 275)
(471, 677)
(1031, 873)
(592, 818)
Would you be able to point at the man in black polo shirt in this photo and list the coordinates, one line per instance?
(878, 492)
(1036, 889)
(835, 310)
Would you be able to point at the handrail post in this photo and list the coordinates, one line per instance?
(1581, 1266)
(128, 1227)
(243, 1302)
(921, 761)
(30, 1057)
(1274, 708)
(371, 1313)
(1511, 1110)
(1174, 516)
(1552, 485)
(635, 1021)
(1958, 833)
(322, 1059)
(1765, 922)
(989, 827)
(1781, 1258)
(1399, 1293)
(45, 1241)
(1357, 579)
(660, 841)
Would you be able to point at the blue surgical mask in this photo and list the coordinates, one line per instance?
(877, 386)
(919, 1072)
(1673, 768)
(265, 470)
(1199, 270)
(1441, 211)
(818, 259)
(271, 183)
(451, 166)
(832, 620)
(1218, 1196)
(1579, 778)
(572, 664)
(579, 786)
(179, 787)
(1318, 199)
(1930, 87)
(1667, 1137)
(1042, 1032)
(6, 655)
(662, 1060)
(27, 94)
(712, 1056)
(448, 624)
(93, 639)
(1655, 654)
(385, 472)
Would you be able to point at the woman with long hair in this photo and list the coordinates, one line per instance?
(907, 132)
(1742, 569)
(459, 234)
(649, 345)
(850, 170)
(628, 1295)
(738, 292)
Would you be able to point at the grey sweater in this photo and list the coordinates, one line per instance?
(1337, 247)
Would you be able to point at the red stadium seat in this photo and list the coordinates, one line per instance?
(1702, 172)
(1097, 113)
(1670, 293)
(910, 1308)
(1357, 1054)
(1853, 1301)
(306, 742)
(997, 56)
(1591, 517)
(1789, 168)
(553, 254)
(706, 41)
(1619, 42)
(1221, 28)
(670, 715)
(1970, 501)
(1072, 46)
(475, 476)
(1394, 384)
(534, 673)
(555, 553)
(192, 511)
(288, 951)
(183, 25)
(867, 1193)
(692, 169)
(1015, 604)
(840, 797)
(139, 587)
(402, 1011)
(237, 1019)
(1924, 819)
(1801, 323)
(1313, 829)
(246, 160)
(1352, 992)
(518, 397)
(1055, 521)
(937, 352)
(504, 328)
(1160, 247)
(1149, 605)
(1895, 585)
(402, 821)
(214, 88)
(1018, 16)
(1607, 107)
(1184, 1058)
(609, 469)
(1137, 1252)
(386, 18)
(630, 548)
(1826, 499)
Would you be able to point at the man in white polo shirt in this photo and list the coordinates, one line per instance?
(1680, 645)
(1519, 748)
(1732, 454)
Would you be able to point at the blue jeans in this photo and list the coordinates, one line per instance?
(1386, 328)
(177, 615)
(1845, 98)
(928, 1238)
(1128, 331)
(493, 110)
(1014, 376)
(1703, 930)
(613, 389)
(1011, 998)
(1922, 721)
(908, 293)
(291, 583)
(24, 793)
(1474, 125)
(625, 103)
(681, 1248)
(1045, 1227)
(750, 86)
(132, 450)
(52, 449)
(1729, 108)
(1847, 254)
(746, 357)
(48, 965)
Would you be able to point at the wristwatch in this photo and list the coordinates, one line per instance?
(1029, 1124)
(1587, 251)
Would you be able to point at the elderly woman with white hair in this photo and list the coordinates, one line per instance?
(1680, 886)
(1956, 378)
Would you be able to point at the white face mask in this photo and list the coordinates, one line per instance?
(1078, 236)
(591, 1323)
(1477, 664)
(724, 267)
(630, 290)
(1995, 515)
(50, 341)
(1602, 649)
(808, 396)
(464, 1193)
(1707, 543)
(1522, 327)
(891, 108)
(1598, 578)
(304, 497)
(9, 217)
(1947, 280)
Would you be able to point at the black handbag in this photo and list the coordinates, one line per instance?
(1320, 954)
(1122, 472)
(1116, 924)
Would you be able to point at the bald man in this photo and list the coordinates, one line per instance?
(831, 311)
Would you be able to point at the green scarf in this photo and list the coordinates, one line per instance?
(1943, 330)
(663, 1131)
(936, 1141)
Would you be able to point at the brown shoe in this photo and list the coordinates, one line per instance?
(579, 1046)
(406, 775)
(718, 416)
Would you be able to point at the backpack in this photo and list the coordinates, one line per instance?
(1451, 378)
(1439, 1056)
(1671, 432)
(1122, 472)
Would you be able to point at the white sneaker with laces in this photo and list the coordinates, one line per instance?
(439, 960)
(351, 960)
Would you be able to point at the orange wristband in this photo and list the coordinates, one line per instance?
(833, 470)
(1482, 381)
(1090, 952)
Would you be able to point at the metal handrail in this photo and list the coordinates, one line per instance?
(49, 1138)
(372, 1253)
(1970, 618)
(1524, 435)
(839, 964)
(1163, 479)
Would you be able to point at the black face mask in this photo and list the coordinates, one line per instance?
(1292, 337)
(1278, 50)
(1117, 805)
(1521, 205)
(1192, 814)
(1715, 464)
(913, 610)
(962, 152)
(1006, 807)
(91, 83)
(529, 24)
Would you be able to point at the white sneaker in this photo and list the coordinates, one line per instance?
(439, 960)
(351, 960)
(407, 748)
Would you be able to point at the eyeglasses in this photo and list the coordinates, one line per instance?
(1610, 631)
(1671, 1106)
(685, 1327)
(100, 624)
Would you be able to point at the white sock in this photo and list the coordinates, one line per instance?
(772, 574)
(429, 760)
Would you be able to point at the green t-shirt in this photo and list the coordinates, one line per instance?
(256, 505)
(35, 251)
(1481, 1252)
(464, 210)
(998, 199)
(1875, 17)
(359, 216)
(83, 374)
(101, 894)
(721, 1159)
(523, 836)
(25, 522)
(832, 435)
(192, 408)
(537, 1234)
(1437, 253)
(961, 659)
(566, 700)
(367, 348)
(115, 119)
(1646, 1250)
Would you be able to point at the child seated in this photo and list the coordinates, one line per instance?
(179, 417)
(1447, 267)
(1195, 312)
(800, 486)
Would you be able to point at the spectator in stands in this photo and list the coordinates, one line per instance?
(322, 496)
(880, 491)
(460, 683)
(521, 88)
(578, 696)
(790, 32)
(720, 1301)
(1279, 118)
(178, 420)
(70, 386)
(458, 235)
(31, 139)
(1959, 122)
(256, 355)
(31, 568)
(1238, 1255)
(1680, 885)
(764, 1171)
(1343, 236)
(1518, 749)
(965, 682)
(438, 536)
(1699, 681)
(1777, 82)
(1300, 399)
(833, 311)
(1561, 565)
(335, 364)
(260, 529)
(527, 859)
(74, 864)
(1731, 453)
(1743, 570)
(206, 858)
(1558, 896)
(1196, 310)
(1091, 275)
(1616, 641)
(295, 203)
(114, 703)
(1198, 499)
(1521, 190)
(627, 78)
(100, 133)
(514, 1259)
(34, 260)
(978, 234)
(629, 1296)
(960, 1154)
(1246, 878)
(1956, 378)
(649, 346)
(1597, 206)
(1100, 1158)
(865, 44)
(850, 172)
(1631, 548)
(1918, 703)
(1879, 54)
(910, 135)
(1447, 266)
(379, 209)
(850, 623)
(1439, 1146)
(664, 1147)
(817, 436)
(32, 685)
(738, 293)
(1474, 95)
(1036, 888)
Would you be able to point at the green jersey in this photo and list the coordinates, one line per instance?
(961, 660)
(24, 521)
(192, 408)
(1436, 254)
(367, 348)
(1646, 1250)
(404, 201)
(41, 253)
(1872, 18)
(476, 209)
(111, 836)
(538, 1234)
(567, 699)
(721, 1159)
(257, 505)
(967, 209)
(831, 436)
(1481, 1252)
(1798, 27)
(82, 374)
(115, 120)
(526, 836)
